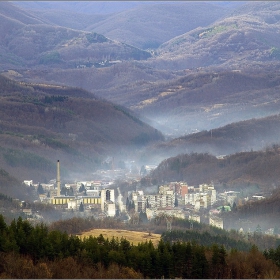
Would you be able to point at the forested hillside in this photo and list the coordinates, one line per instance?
(258, 168)
(250, 135)
(247, 34)
(29, 40)
(10, 188)
(28, 251)
(43, 123)
(178, 102)
(261, 214)
(224, 69)
(143, 24)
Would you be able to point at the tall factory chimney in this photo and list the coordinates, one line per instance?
(58, 179)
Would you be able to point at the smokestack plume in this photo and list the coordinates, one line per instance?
(58, 179)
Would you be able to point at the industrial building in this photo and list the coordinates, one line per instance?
(105, 198)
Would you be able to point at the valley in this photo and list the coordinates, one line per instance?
(165, 119)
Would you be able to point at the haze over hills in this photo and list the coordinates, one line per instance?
(149, 26)
(205, 100)
(217, 64)
(141, 24)
(192, 99)
(244, 136)
(177, 103)
(232, 42)
(41, 123)
(85, 7)
(27, 41)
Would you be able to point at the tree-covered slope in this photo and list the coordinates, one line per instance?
(141, 24)
(247, 35)
(252, 134)
(27, 40)
(35, 251)
(233, 171)
(42, 123)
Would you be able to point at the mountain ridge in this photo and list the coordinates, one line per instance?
(39, 43)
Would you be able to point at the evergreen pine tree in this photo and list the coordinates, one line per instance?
(234, 207)
(40, 189)
(81, 207)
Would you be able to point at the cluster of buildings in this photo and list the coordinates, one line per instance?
(202, 197)
(175, 199)
(199, 203)
(78, 196)
(179, 200)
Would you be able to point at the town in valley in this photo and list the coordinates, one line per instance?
(103, 197)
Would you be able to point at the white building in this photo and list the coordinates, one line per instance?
(199, 200)
(160, 200)
(74, 203)
(202, 197)
(206, 198)
(191, 198)
(165, 190)
(48, 187)
(28, 182)
(94, 193)
(171, 212)
(258, 197)
(269, 231)
(150, 213)
(199, 203)
(109, 208)
(213, 194)
(108, 202)
(231, 197)
(210, 190)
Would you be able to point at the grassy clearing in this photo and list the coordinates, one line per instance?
(134, 237)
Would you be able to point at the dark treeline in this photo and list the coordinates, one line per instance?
(77, 225)
(203, 233)
(28, 251)
(205, 238)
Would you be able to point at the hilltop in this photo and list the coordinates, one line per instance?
(247, 35)
(148, 26)
(27, 41)
(87, 8)
(140, 24)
